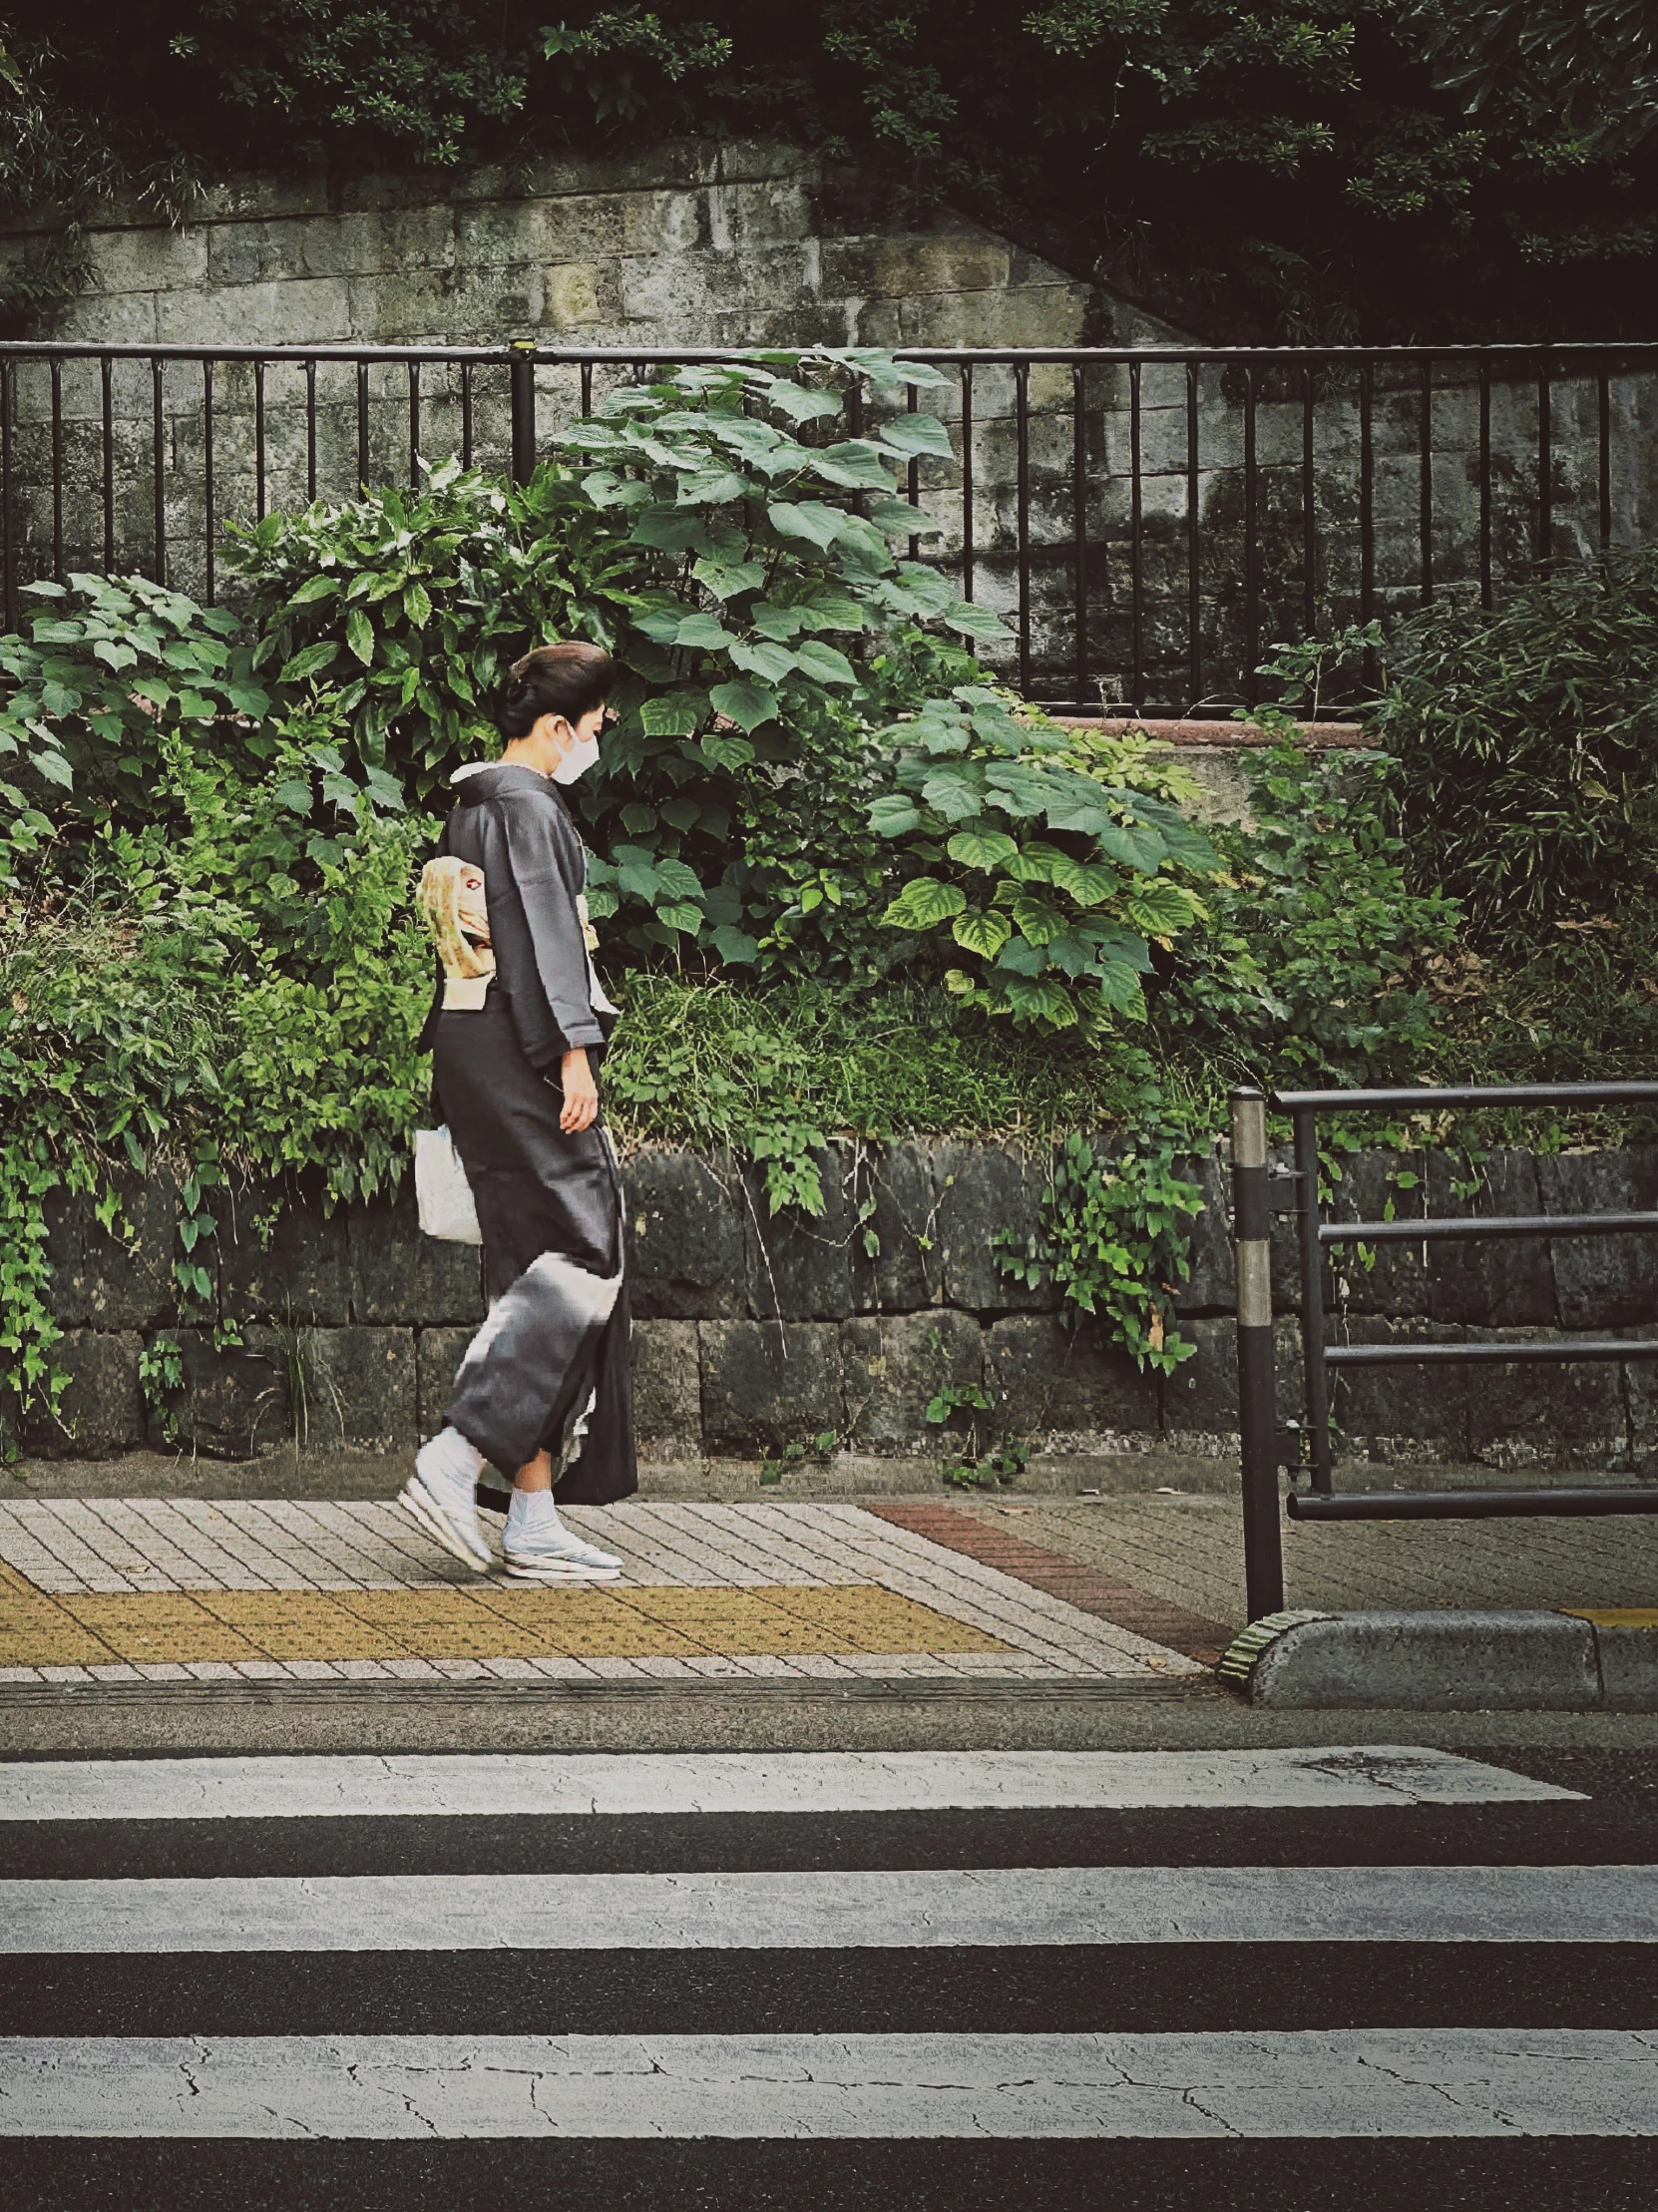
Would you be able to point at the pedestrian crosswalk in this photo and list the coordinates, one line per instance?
(410, 1979)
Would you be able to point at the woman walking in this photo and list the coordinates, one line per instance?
(516, 1048)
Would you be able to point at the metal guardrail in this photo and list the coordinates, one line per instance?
(1148, 520)
(1267, 1449)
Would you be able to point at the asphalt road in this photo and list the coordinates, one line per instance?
(1269, 1977)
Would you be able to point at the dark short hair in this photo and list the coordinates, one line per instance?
(569, 679)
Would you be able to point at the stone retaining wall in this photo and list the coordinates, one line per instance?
(754, 1334)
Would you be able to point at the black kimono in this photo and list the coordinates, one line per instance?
(549, 1206)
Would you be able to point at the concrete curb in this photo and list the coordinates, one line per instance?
(1450, 1661)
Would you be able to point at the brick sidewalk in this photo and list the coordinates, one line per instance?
(132, 1589)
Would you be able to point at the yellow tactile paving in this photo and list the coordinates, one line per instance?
(882, 1620)
(152, 1628)
(492, 1621)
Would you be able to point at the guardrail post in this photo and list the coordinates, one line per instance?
(1257, 1418)
(522, 374)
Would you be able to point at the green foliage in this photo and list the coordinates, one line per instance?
(1113, 1236)
(232, 985)
(113, 668)
(1057, 927)
(1321, 953)
(1284, 170)
(405, 608)
(1525, 737)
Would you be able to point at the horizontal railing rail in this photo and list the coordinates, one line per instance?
(1305, 1447)
(1148, 521)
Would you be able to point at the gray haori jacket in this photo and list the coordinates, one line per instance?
(510, 822)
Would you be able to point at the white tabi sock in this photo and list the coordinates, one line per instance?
(533, 1512)
(450, 1459)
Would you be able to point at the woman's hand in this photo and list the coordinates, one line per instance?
(581, 1108)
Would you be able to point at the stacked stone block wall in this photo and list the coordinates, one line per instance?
(698, 244)
(754, 1333)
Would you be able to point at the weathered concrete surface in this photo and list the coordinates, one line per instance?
(1433, 1661)
(754, 1332)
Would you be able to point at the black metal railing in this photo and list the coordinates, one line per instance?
(1305, 1447)
(1148, 521)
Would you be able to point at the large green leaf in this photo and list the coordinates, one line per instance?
(981, 933)
(893, 815)
(673, 714)
(800, 403)
(746, 704)
(917, 434)
(824, 662)
(982, 848)
(764, 659)
(308, 661)
(818, 525)
(924, 903)
(704, 630)
(359, 635)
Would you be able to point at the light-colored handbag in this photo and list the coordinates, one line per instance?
(447, 1208)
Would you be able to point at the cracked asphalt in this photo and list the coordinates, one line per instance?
(1331, 1978)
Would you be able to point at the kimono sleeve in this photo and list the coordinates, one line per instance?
(548, 870)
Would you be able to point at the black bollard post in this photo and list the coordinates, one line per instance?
(1257, 1418)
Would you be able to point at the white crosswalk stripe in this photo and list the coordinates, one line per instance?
(1470, 2081)
(748, 1782)
(550, 1949)
(804, 1912)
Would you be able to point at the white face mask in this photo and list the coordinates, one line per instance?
(578, 761)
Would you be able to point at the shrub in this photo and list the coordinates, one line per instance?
(1057, 927)
(112, 669)
(1526, 734)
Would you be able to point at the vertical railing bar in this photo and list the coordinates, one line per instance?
(310, 432)
(1079, 531)
(1194, 601)
(1424, 508)
(363, 427)
(414, 425)
(258, 442)
(1136, 518)
(1309, 510)
(466, 415)
(966, 481)
(1252, 577)
(56, 375)
(8, 549)
(107, 409)
(207, 497)
(911, 480)
(1604, 482)
(1484, 482)
(1312, 1292)
(1022, 413)
(587, 387)
(159, 456)
(1546, 462)
(1367, 508)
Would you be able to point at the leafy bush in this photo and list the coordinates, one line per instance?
(407, 606)
(112, 668)
(1313, 959)
(710, 531)
(1113, 1236)
(1526, 734)
(1057, 927)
